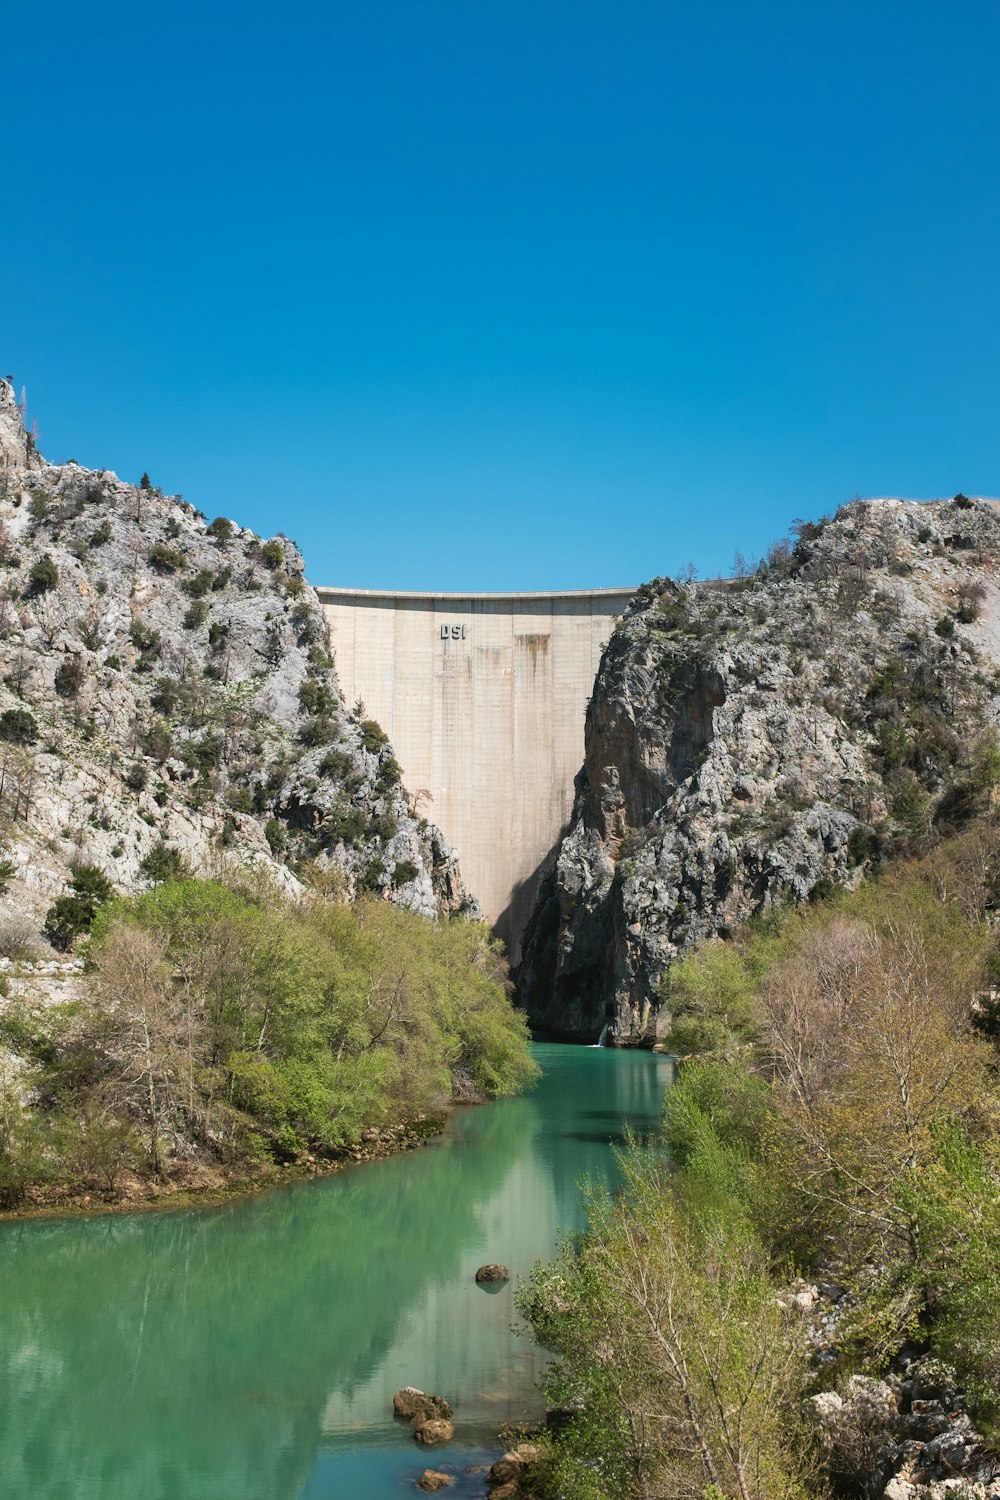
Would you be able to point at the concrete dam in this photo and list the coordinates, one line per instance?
(484, 698)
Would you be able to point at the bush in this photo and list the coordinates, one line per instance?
(136, 776)
(70, 677)
(314, 732)
(221, 529)
(373, 736)
(101, 534)
(335, 764)
(945, 627)
(276, 835)
(43, 577)
(317, 697)
(18, 937)
(200, 584)
(272, 554)
(405, 871)
(18, 726)
(165, 559)
(163, 863)
(195, 615)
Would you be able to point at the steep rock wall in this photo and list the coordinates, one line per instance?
(171, 685)
(748, 743)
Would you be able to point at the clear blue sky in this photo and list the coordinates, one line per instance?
(496, 294)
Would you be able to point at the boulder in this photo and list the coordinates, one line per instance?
(408, 1402)
(432, 1479)
(492, 1273)
(416, 1406)
(433, 1430)
(504, 1470)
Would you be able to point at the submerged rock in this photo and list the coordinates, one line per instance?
(433, 1479)
(433, 1430)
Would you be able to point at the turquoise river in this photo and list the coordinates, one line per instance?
(251, 1352)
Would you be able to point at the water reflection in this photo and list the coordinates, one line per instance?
(215, 1354)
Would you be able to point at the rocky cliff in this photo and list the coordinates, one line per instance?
(751, 741)
(167, 694)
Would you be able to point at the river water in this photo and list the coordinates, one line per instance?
(250, 1352)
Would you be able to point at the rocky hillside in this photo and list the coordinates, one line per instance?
(751, 741)
(168, 697)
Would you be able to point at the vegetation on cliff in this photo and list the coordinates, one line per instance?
(226, 1028)
(837, 1118)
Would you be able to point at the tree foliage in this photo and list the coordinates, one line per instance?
(226, 1023)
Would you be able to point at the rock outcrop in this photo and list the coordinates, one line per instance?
(167, 692)
(908, 1437)
(752, 740)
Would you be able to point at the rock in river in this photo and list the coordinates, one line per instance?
(415, 1406)
(433, 1430)
(433, 1479)
(492, 1273)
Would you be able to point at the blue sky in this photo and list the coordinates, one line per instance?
(508, 295)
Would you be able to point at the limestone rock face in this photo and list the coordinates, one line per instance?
(172, 689)
(749, 742)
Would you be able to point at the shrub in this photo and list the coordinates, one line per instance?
(101, 534)
(405, 871)
(18, 726)
(43, 577)
(157, 740)
(164, 696)
(136, 776)
(314, 732)
(335, 764)
(276, 835)
(316, 697)
(373, 736)
(18, 936)
(69, 677)
(146, 640)
(165, 559)
(163, 863)
(200, 584)
(272, 554)
(195, 615)
(203, 755)
(220, 529)
(218, 634)
(945, 627)
(8, 869)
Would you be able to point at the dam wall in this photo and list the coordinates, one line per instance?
(484, 698)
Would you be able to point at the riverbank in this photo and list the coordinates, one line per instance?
(206, 1186)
